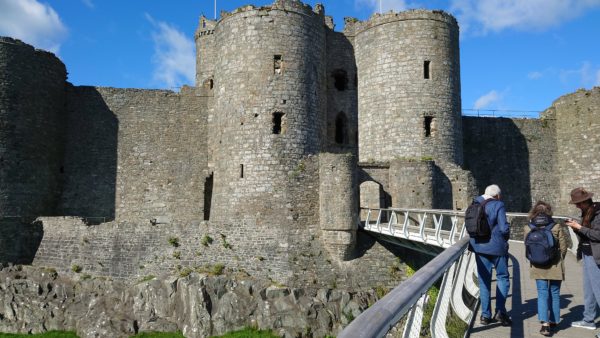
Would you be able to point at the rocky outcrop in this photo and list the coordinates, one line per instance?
(34, 300)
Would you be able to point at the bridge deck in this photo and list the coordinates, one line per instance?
(522, 301)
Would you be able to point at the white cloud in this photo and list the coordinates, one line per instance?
(535, 75)
(386, 5)
(487, 99)
(584, 76)
(33, 22)
(497, 15)
(174, 56)
(88, 3)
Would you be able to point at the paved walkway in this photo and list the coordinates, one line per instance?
(522, 302)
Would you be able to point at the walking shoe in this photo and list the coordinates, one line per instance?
(545, 331)
(485, 320)
(584, 325)
(503, 318)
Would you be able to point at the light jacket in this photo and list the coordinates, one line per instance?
(497, 244)
(555, 271)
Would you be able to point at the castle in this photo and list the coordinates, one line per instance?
(262, 165)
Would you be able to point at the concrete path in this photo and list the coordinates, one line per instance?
(522, 302)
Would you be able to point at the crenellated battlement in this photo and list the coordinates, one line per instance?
(293, 6)
(354, 26)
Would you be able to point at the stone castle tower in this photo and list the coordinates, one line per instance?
(290, 126)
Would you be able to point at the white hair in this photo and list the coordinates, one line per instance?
(492, 190)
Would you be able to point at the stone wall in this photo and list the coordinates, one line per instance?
(517, 154)
(269, 108)
(338, 203)
(342, 97)
(206, 50)
(409, 87)
(32, 97)
(135, 155)
(577, 138)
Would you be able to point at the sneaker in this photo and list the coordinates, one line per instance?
(503, 318)
(545, 331)
(584, 325)
(485, 320)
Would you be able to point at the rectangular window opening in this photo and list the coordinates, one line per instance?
(427, 124)
(277, 64)
(241, 171)
(426, 69)
(277, 122)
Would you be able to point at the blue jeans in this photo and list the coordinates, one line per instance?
(485, 263)
(548, 299)
(591, 288)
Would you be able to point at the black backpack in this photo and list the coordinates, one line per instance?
(476, 220)
(540, 246)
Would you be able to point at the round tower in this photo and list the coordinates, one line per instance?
(409, 87)
(578, 143)
(32, 99)
(269, 104)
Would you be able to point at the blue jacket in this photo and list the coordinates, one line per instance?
(497, 244)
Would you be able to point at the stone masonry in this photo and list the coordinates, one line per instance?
(261, 166)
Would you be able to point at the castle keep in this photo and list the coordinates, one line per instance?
(262, 165)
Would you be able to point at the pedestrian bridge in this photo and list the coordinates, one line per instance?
(442, 233)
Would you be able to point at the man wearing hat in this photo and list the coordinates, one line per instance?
(589, 250)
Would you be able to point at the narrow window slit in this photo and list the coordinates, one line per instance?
(277, 64)
(428, 125)
(277, 122)
(426, 69)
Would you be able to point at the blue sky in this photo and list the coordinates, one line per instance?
(516, 55)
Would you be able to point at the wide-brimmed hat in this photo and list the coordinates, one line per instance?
(580, 195)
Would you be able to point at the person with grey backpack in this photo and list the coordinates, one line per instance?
(546, 245)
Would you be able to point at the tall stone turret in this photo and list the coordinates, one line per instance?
(269, 107)
(32, 100)
(205, 52)
(578, 143)
(409, 87)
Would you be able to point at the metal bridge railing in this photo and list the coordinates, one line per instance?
(441, 228)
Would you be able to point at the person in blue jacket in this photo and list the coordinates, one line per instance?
(492, 253)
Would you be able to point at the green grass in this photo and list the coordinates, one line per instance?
(49, 334)
(249, 333)
(159, 335)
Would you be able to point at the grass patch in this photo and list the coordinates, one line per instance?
(159, 335)
(76, 268)
(206, 240)
(249, 333)
(174, 241)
